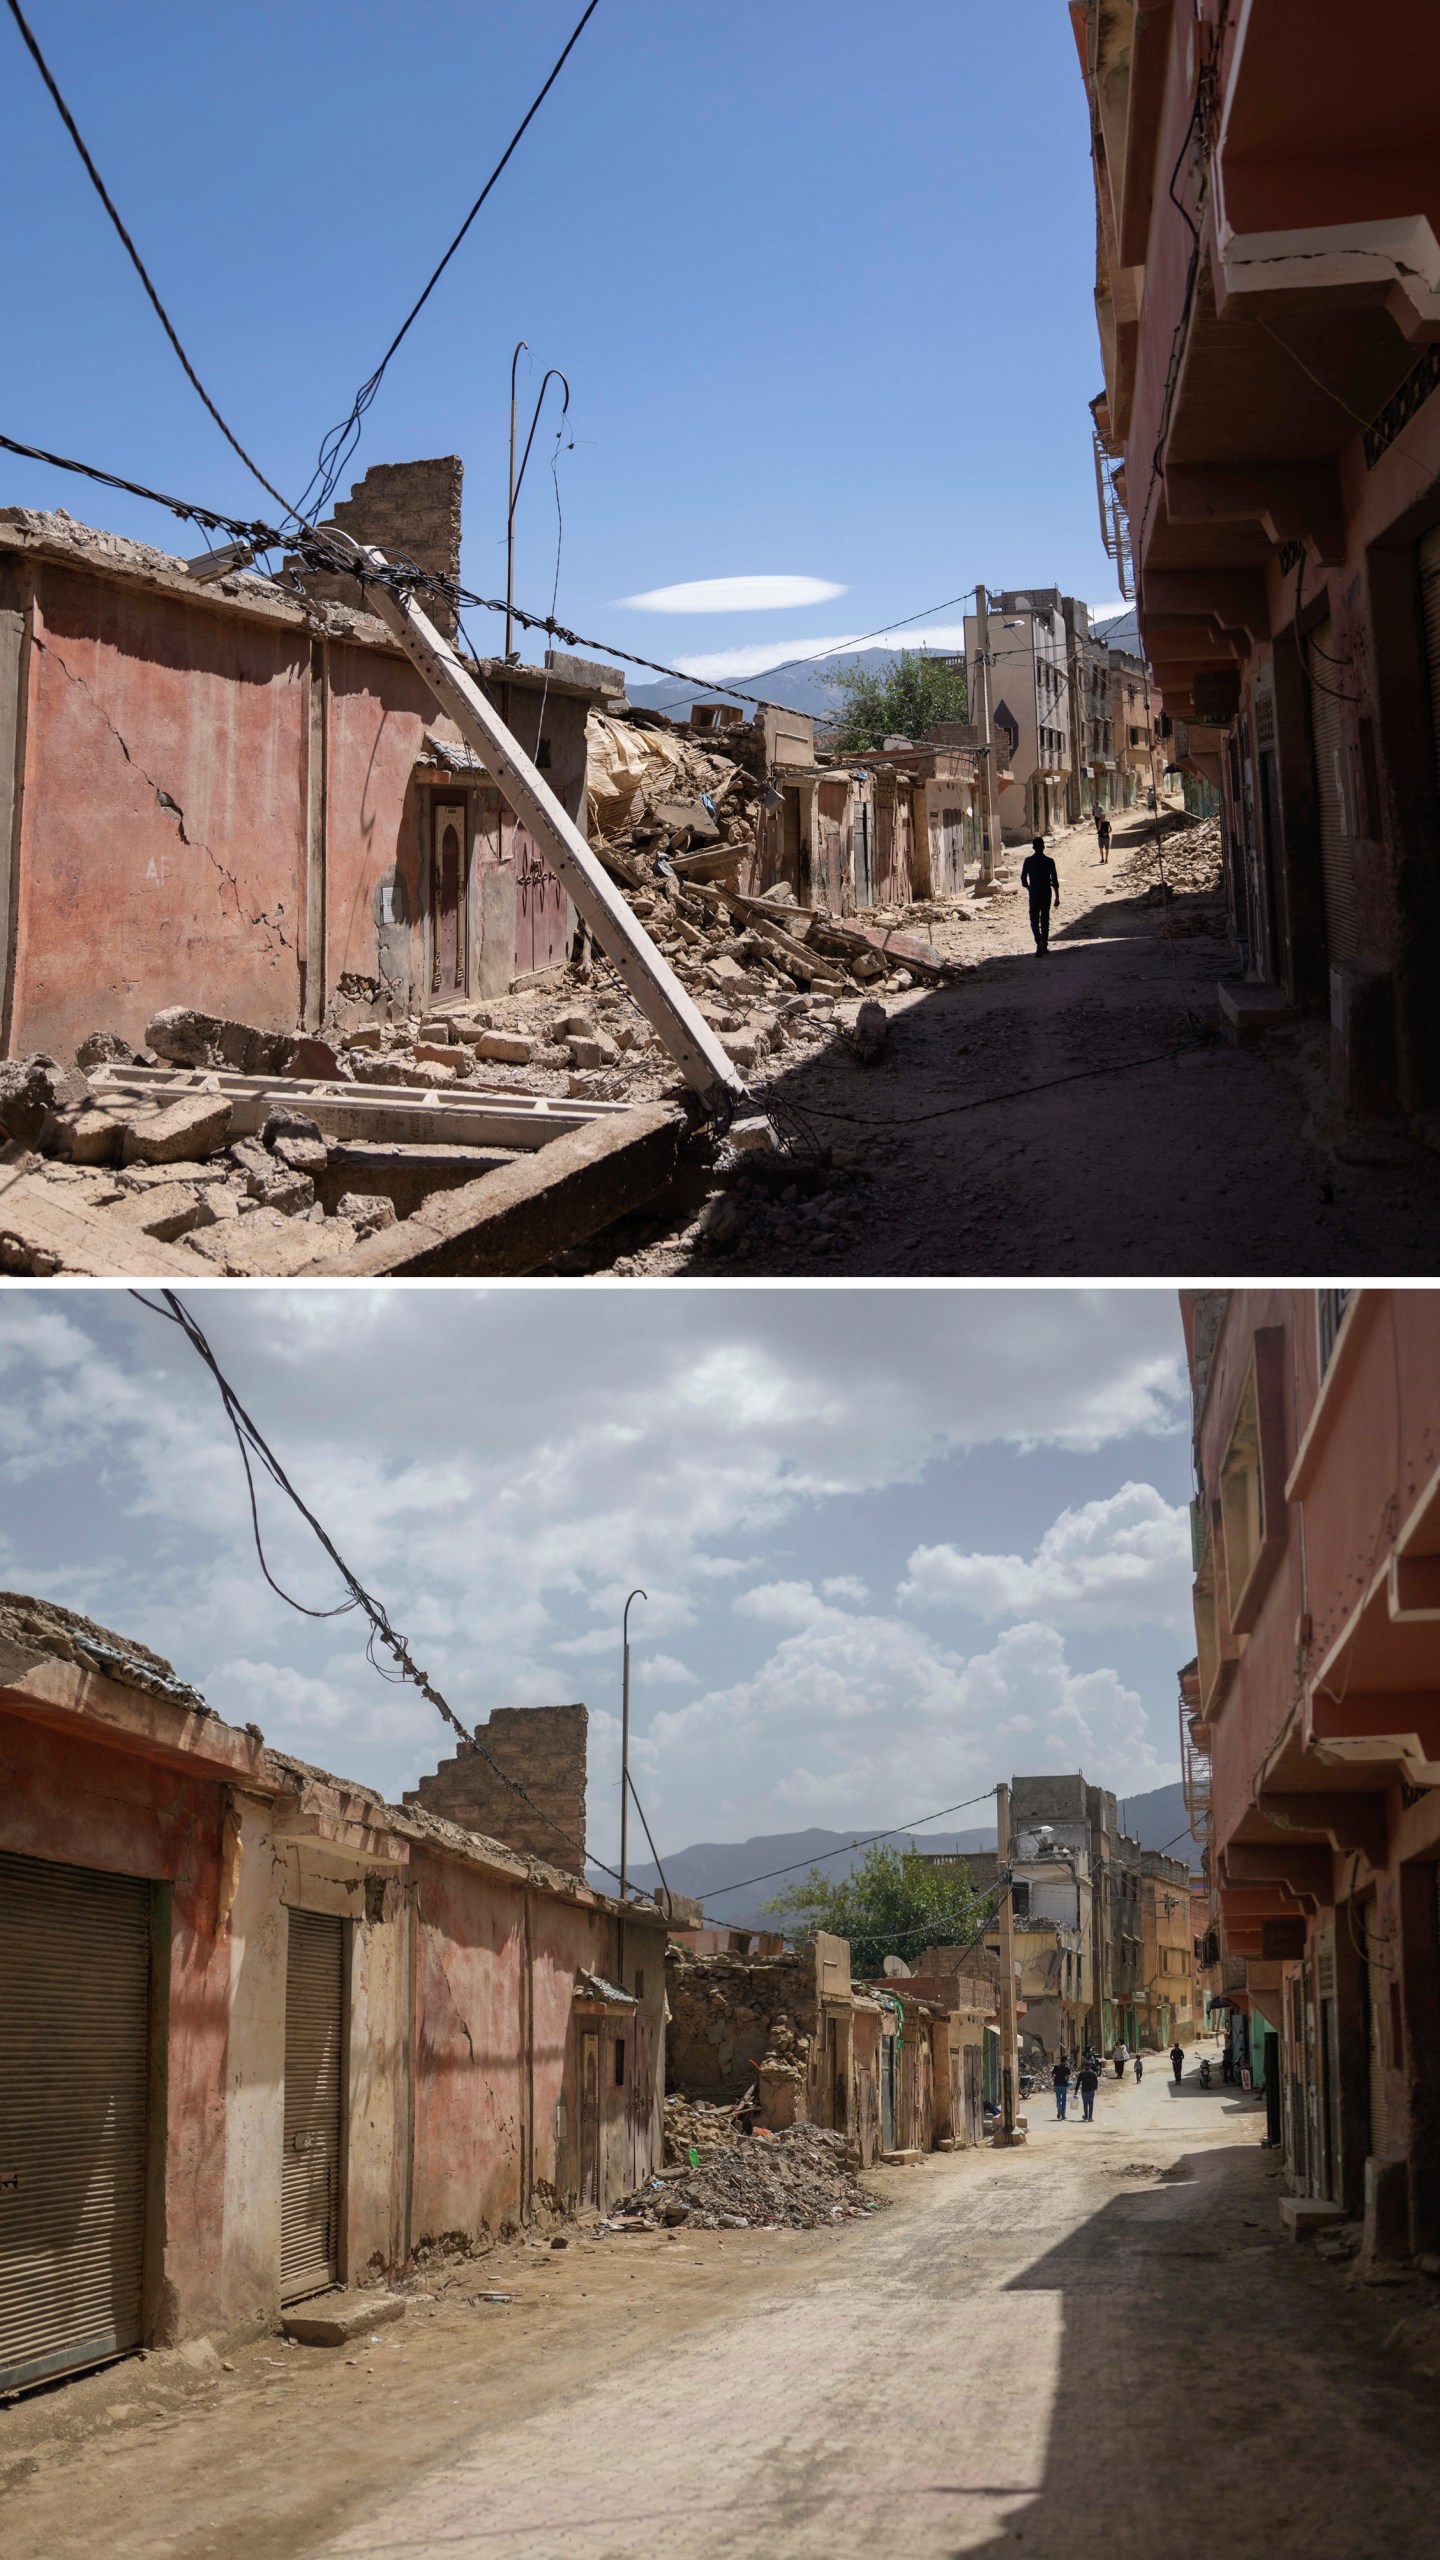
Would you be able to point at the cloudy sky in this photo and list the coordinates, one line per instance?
(897, 1543)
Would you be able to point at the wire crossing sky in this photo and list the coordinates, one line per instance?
(827, 326)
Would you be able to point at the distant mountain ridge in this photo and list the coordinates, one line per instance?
(809, 687)
(713, 1871)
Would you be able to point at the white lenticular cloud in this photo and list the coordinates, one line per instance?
(735, 595)
(1122, 1561)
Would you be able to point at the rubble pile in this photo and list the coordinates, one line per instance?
(698, 2124)
(801, 2179)
(1192, 859)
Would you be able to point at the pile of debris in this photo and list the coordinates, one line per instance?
(1191, 861)
(801, 2179)
(697, 2125)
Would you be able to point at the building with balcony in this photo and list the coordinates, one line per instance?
(1316, 1703)
(1268, 299)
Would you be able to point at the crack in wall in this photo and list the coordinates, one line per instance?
(268, 922)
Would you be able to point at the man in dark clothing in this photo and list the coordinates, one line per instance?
(1060, 2081)
(1102, 829)
(1041, 878)
(1177, 2061)
(1087, 2081)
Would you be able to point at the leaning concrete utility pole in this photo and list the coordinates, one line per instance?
(621, 936)
(987, 739)
(625, 1766)
(1008, 2020)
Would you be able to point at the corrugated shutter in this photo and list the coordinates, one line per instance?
(74, 2055)
(1330, 792)
(1430, 598)
(314, 2051)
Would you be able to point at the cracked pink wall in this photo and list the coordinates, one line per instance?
(164, 827)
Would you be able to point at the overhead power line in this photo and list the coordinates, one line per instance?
(340, 443)
(133, 254)
(252, 1445)
(714, 1895)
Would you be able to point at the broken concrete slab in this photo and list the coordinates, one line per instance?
(333, 2319)
(166, 1209)
(503, 1048)
(1246, 1013)
(265, 1245)
(401, 1176)
(189, 1038)
(515, 1219)
(193, 1126)
(45, 1232)
(482, 1116)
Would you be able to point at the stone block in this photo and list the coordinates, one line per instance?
(1248, 1012)
(163, 1209)
(506, 1048)
(194, 1126)
(440, 1053)
(368, 1211)
(96, 1137)
(333, 2319)
(1303, 2216)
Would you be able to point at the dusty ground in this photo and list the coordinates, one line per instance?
(1203, 1160)
(1059, 2350)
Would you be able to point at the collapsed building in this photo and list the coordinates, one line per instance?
(262, 2033)
(790, 2038)
(254, 863)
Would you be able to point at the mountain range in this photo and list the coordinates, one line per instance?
(715, 1872)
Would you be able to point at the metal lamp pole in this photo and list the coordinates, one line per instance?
(554, 375)
(625, 1765)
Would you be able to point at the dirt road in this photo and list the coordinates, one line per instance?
(1096, 2348)
(1202, 1159)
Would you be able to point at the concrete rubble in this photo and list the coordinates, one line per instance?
(800, 2179)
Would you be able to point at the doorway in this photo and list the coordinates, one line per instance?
(590, 2119)
(74, 2069)
(447, 899)
(314, 2078)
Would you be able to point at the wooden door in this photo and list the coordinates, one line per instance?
(74, 2064)
(542, 916)
(590, 2118)
(314, 2070)
(447, 900)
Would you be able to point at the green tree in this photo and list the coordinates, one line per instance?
(904, 697)
(893, 1904)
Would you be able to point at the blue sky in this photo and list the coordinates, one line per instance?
(820, 277)
(897, 1543)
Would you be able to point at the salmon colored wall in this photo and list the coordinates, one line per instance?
(127, 902)
(378, 712)
(469, 2051)
(81, 1804)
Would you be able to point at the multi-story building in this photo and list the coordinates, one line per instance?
(1029, 691)
(1167, 1959)
(1092, 727)
(1317, 1705)
(1268, 294)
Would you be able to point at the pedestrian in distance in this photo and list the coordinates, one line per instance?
(1087, 2081)
(1060, 2081)
(1102, 829)
(1177, 2061)
(1039, 875)
(1139, 2067)
(1120, 2057)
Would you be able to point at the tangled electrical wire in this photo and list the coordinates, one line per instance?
(255, 1451)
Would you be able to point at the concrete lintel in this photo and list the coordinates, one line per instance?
(516, 1218)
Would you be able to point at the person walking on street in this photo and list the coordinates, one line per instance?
(1060, 2081)
(1087, 2081)
(1121, 2057)
(1102, 829)
(1139, 2068)
(1039, 875)
(1177, 2061)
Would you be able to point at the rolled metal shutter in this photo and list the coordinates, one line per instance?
(74, 2069)
(1430, 600)
(1330, 792)
(314, 2053)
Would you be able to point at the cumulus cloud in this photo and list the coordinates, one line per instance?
(1118, 1562)
(853, 1710)
(503, 1476)
(735, 595)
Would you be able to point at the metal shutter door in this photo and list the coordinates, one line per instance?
(1330, 792)
(74, 2060)
(314, 2047)
(1430, 600)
